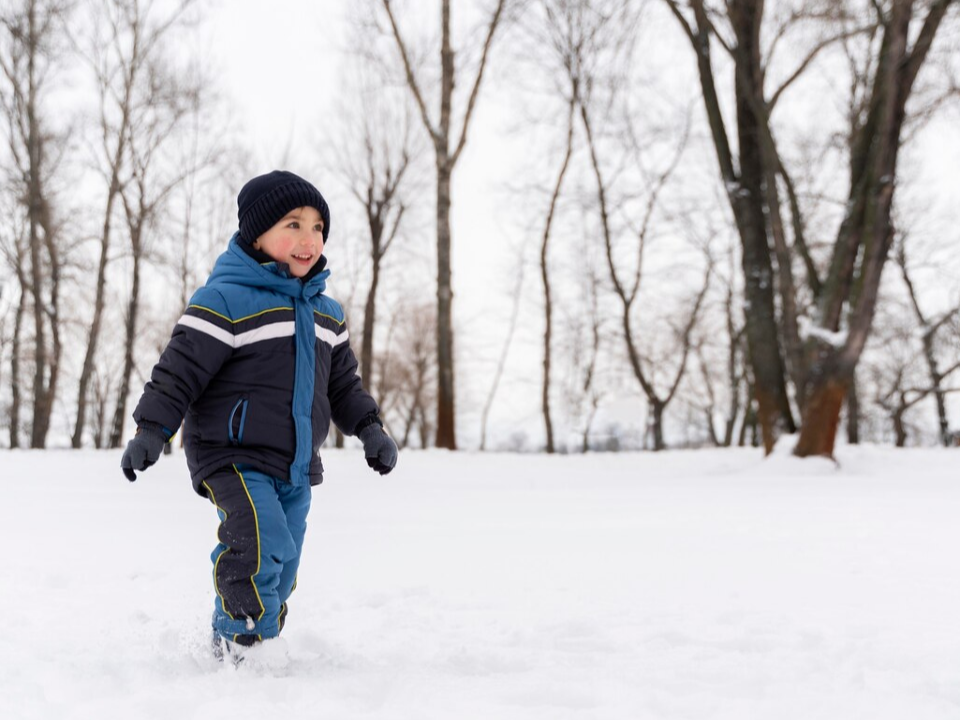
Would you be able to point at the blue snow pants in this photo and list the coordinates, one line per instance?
(262, 524)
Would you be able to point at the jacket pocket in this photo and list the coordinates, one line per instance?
(238, 418)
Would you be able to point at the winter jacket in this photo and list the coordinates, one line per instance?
(257, 366)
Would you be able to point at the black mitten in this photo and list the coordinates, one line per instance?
(144, 450)
(379, 448)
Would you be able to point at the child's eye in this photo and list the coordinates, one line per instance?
(293, 224)
(318, 228)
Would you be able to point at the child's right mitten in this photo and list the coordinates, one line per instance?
(144, 450)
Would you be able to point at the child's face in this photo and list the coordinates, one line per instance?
(296, 240)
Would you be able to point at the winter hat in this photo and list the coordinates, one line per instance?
(265, 199)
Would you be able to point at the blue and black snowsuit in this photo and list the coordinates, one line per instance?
(257, 367)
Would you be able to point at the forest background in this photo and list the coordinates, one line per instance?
(559, 225)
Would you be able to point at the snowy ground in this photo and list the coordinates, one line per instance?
(697, 585)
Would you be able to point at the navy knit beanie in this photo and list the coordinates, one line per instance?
(265, 199)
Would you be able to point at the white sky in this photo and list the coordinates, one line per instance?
(282, 72)
(281, 69)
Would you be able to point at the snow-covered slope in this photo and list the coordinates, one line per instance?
(707, 584)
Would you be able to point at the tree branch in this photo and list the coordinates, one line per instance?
(474, 93)
(818, 48)
(411, 78)
(922, 46)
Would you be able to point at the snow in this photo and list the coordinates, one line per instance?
(807, 329)
(699, 584)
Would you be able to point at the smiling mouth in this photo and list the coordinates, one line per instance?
(302, 258)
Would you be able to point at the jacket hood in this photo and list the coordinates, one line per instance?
(235, 266)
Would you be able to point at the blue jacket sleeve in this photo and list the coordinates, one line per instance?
(202, 341)
(349, 402)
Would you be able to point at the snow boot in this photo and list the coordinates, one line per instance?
(231, 650)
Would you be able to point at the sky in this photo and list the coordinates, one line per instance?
(283, 71)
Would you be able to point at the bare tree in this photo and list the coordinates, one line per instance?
(408, 374)
(590, 393)
(14, 248)
(743, 178)
(102, 386)
(853, 412)
(120, 62)
(592, 34)
(30, 49)
(504, 352)
(566, 46)
(141, 208)
(447, 151)
(820, 362)
(866, 234)
(545, 275)
(377, 155)
(735, 371)
(893, 372)
(167, 102)
(929, 330)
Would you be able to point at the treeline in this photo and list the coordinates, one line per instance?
(703, 200)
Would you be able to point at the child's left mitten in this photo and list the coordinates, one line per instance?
(379, 448)
(144, 450)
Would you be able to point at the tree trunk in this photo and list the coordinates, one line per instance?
(15, 400)
(129, 70)
(547, 329)
(774, 412)
(866, 235)
(133, 309)
(945, 436)
(734, 376)
(793, 345)
(445, 162)
(656, 414)
(424, 428)
(446, 412)
(853, 413)
(100, 415)
(711, 430)
(749, 419)
(824, 402)
(41, 401)
(587, 427)
(94, 334)
(545, 276)
(53, 311)
(408, 424)
(369, 320)
(899, 431)
(746, 197)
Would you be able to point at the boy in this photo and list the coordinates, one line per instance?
(257, 367)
